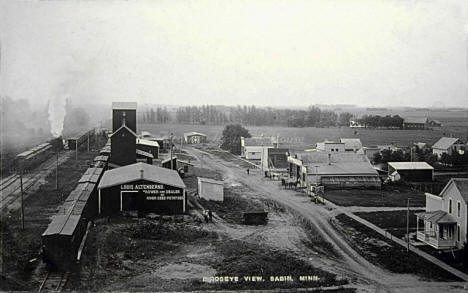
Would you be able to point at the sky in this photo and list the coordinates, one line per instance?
(266, 53)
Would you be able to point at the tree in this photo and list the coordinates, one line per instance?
(344, 118)
(231, 138)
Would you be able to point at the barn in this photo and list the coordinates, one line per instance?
(410, 171)
(416, 123)
(210, 189)
(194, 137)
(143, 188)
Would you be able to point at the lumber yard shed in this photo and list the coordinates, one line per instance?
(143, 188)
(194, 137)
(410, 171)
(210, 189)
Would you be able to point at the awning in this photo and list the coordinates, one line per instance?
(437, 217)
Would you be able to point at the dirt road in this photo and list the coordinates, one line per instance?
(364, 275)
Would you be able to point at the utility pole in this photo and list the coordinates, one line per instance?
(56, 170)
(172, 164)
(88, 142)
(76, 149)
(407, 226)
(22, 198)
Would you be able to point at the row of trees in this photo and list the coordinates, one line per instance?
(381, 121)
(161, 115)
(251, 115)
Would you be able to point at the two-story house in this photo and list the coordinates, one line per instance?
(444, 223)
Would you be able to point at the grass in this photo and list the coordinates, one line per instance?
(392, 221)
(391, 197)
(244, 259)
(377, 249)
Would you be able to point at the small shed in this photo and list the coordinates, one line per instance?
(256, 217)
(210, 189)
(194, 137)
(185, 168)
(142, 156)
(167, 163)
(411, 171)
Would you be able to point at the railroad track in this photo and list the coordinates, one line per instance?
(10, 196)
(53, 282)
(8, 181)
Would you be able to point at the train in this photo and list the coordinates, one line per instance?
(33, 157)
(62, 238)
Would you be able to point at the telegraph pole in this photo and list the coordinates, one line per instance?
(22, 198)
(172, 164)
(88, 142)
(76, 149)
(56, 171)
(407, 226)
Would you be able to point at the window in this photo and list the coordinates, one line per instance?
(450, 206)
(332, 150)
(458, 233)
(458, 209)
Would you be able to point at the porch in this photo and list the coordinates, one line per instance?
(438, 229)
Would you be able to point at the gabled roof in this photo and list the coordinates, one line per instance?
(124, 127)
(193, 133)
(147, 142)
(144, 154)
(462, 186)
(209, 180)
(410, 166)
(417, 120)
(444, 143)
(140, 171)
(169, 159)
(124, 105)
(437, 217)
(351, 143)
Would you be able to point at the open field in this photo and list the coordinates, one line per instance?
(393, 257)
(176, 256)
(391, 197)
(392, 221)
(302, 138)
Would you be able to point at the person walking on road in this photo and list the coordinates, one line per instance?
(210, 215)
(248, 171)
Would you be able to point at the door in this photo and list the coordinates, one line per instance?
(128, 200)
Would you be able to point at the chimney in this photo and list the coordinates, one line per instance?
(329, 159)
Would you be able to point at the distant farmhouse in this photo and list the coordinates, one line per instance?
(420, 123)
(416, 123)
(448, 145)
(337, 170)
(194, 138)
(444, 224)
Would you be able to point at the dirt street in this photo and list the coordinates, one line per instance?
(363, 274)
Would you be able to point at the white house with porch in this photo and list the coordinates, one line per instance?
(444, 224)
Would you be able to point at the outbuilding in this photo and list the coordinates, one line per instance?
(210, 189)
(141, 187)
(194, 138)
(411, 171)
(149, 146)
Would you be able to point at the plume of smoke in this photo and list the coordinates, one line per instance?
(57, 115)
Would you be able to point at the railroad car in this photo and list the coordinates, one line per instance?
(81, 139)
(62, 238)
(33, 157)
